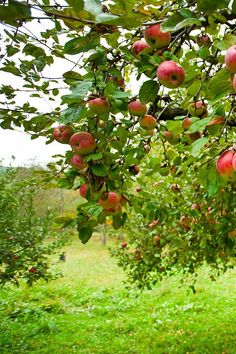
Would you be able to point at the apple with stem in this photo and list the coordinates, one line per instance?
(197, 109)
(63, 133)
(83, 143)
(170, 74)
(156, 38)
(109, 200)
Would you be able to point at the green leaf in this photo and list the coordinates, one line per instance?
(209, 5)
(81, 44)
(99, 170)
(72, 115)
(78, 5)
(198, 145)
(85, 234)
(234, 7)
(105, 18)
(199, 125)
(148, 91)
(180, 19)
(219, 86)
(78, 93)
(11, 69)
(226, 42)
(15, 10)
(94, 157)
(31, 49)
(94, 7)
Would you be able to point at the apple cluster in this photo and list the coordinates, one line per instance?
(82, 144)
(169, 73)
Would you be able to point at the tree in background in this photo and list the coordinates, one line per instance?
(26, 238)
(151, 96)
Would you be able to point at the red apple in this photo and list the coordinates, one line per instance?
(83, 143)
(230, 59)
(124, 244)
(156, 38)
(136, 108)
(148, 122)
(63, 133)
(83, 191)
(204, 41)
(224, 165)
(109, 200)
(186, 123)
(78, 163)
(234, 162)
(99, 105)
(234, 82)
(197, 109)
(170, 74)
(140, 47)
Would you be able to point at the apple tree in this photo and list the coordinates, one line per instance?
(142, 94)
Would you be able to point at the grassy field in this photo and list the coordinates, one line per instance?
(89, 311)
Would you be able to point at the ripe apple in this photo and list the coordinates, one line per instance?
(197, 109)
(234, 82)
(186, 123)
(156, 38)
(136, 108)
(63, 133)
(230, 59)
(148, 122)
(234, 162)
(225, 165)
(109, 200)
(170, 74)
(140, 47)
(83, 143)
(124, 244)
(204, 41)
(78, 163)
(99, 105)
(84, 188)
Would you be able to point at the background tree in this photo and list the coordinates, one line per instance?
(173, 90)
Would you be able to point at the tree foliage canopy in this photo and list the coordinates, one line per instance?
(88, 44)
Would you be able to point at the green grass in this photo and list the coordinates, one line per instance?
(89, 311)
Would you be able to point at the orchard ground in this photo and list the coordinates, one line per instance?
(90, 311)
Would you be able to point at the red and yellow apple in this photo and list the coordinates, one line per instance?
(109, 200)
(170, 74)
(78, 163)
(148, 122)
(136, 108)
(83, 143)
(156, 38)
(63, 133)
(230, 59)
(99, 105)
(234, 82)
(140, 47)
(226, 165)
(197, 109)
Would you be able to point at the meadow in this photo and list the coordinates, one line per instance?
(89, 310)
